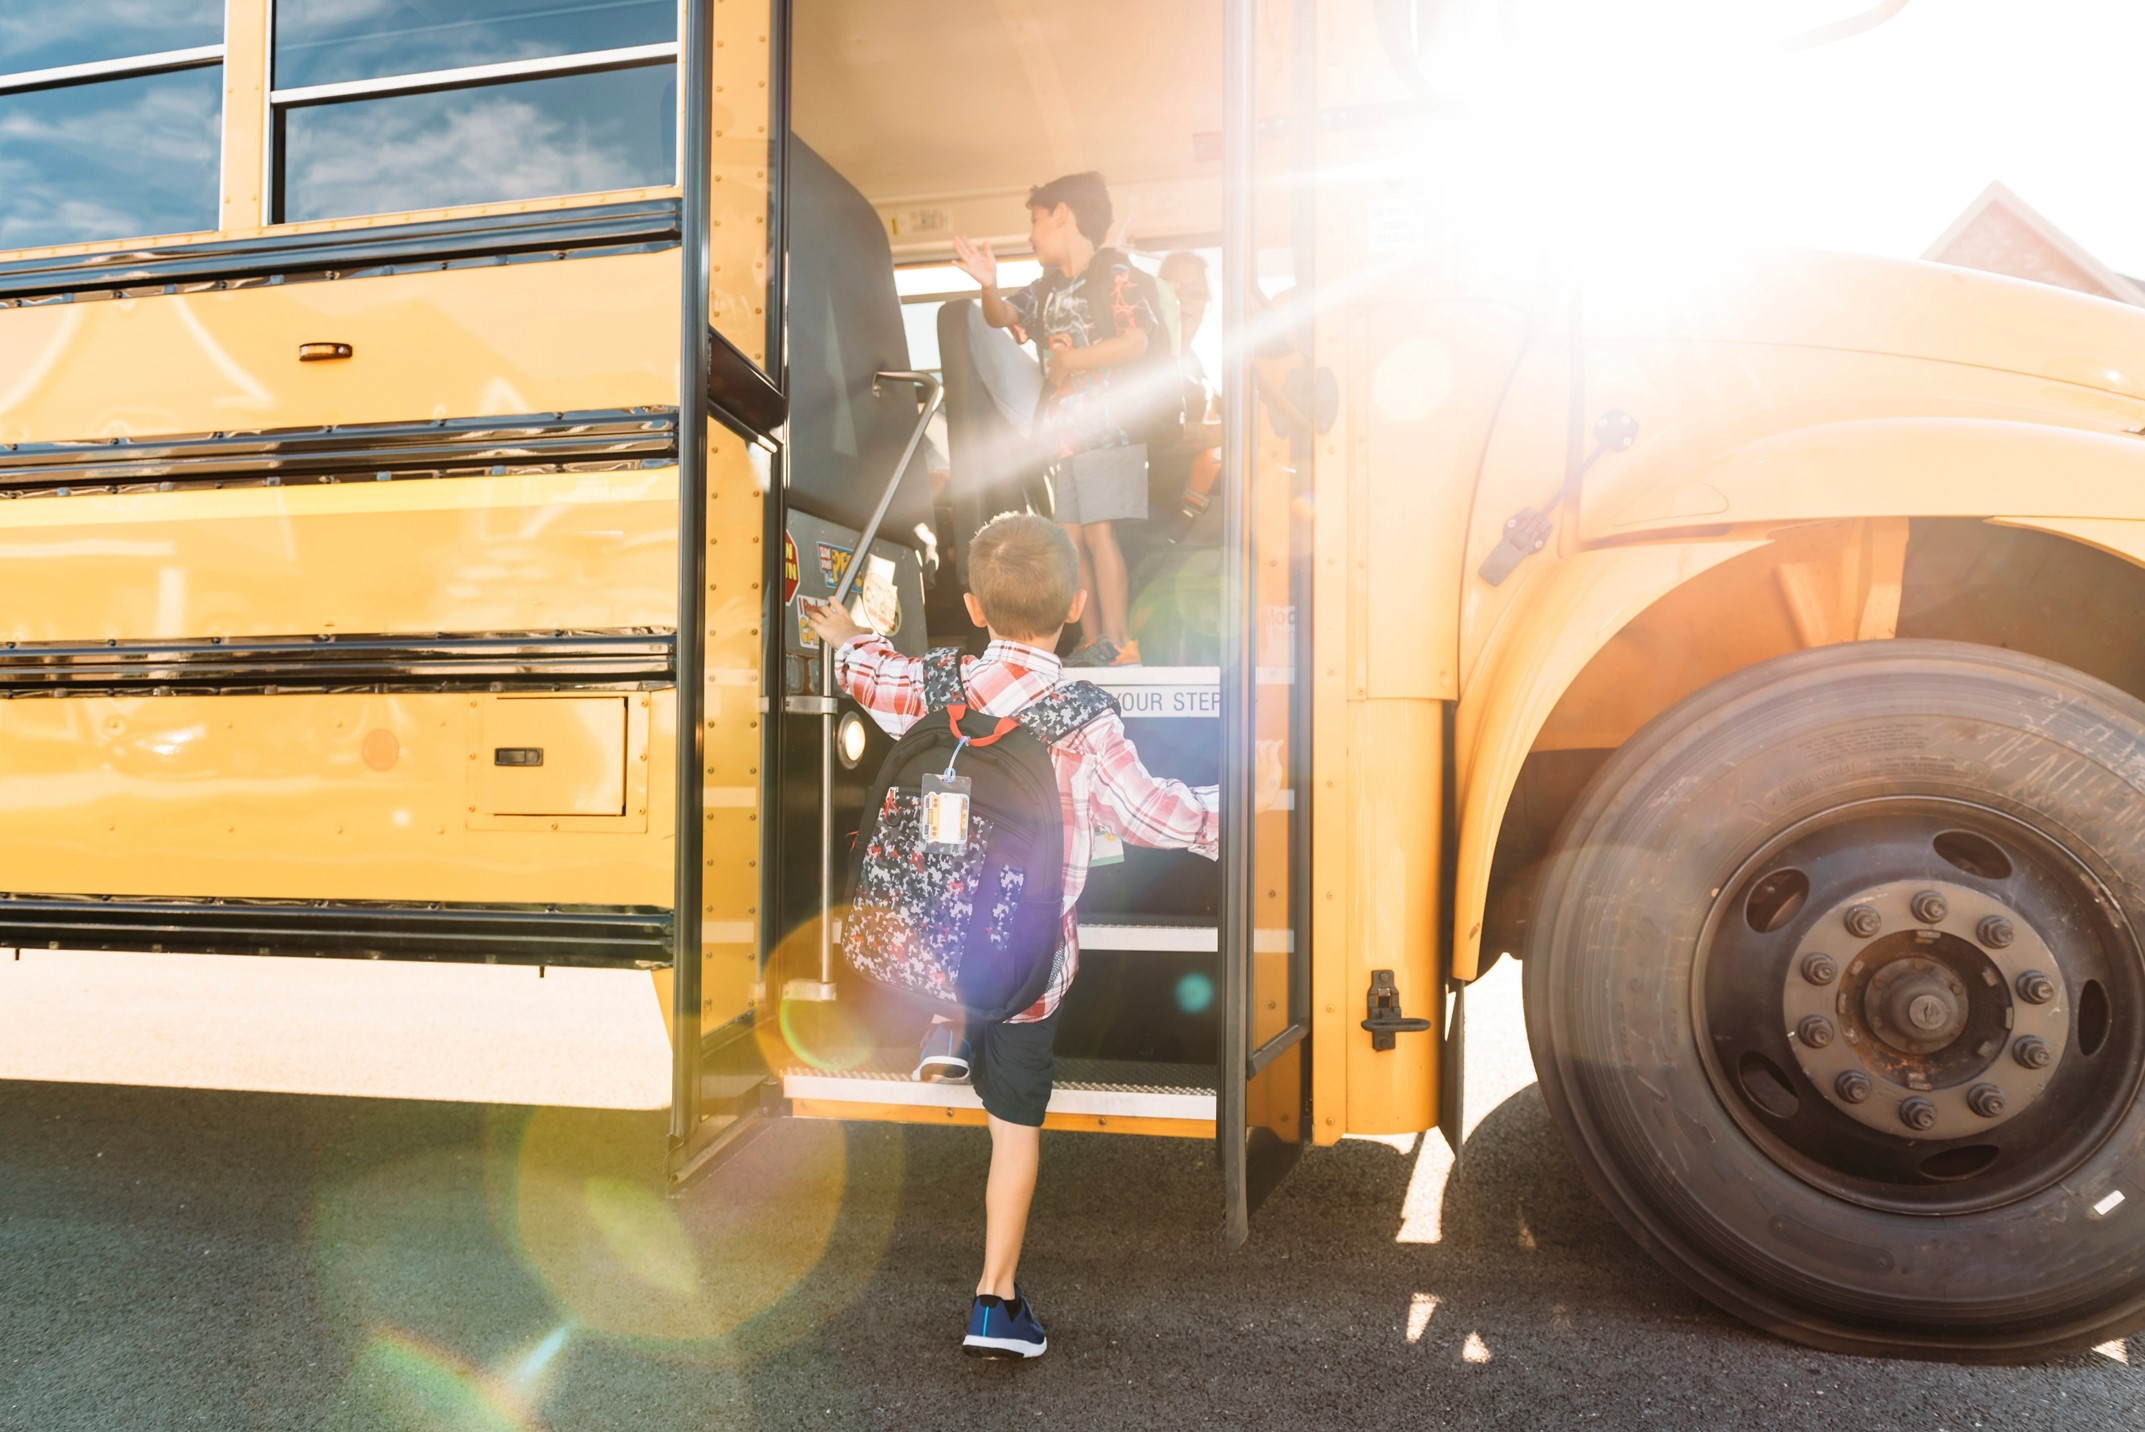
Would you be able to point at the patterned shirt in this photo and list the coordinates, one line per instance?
(1100, 778)
(1096, 407)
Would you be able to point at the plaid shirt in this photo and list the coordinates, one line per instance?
(1100, 778)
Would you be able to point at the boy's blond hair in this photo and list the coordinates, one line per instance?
(1024, 573)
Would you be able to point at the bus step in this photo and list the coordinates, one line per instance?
(1099, 1094)
(1147, 691)
(1147, 937)
(1178, 939)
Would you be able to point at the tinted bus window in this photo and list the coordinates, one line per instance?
(51, 34)
(567, 134)
(392, 105)
(121, 158)
(333, 41)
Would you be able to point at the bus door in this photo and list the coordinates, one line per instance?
(1271, 414)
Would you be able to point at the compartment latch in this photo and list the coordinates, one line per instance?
(1384, 1019)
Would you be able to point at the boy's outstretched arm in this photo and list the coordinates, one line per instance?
(1147, 809)
(869, 671)
(980, 264)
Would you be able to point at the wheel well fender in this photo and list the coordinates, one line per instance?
(2022, 582)
(1572, 612)
(1827, 471)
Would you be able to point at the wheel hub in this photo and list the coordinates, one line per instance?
(1936, 1035)
(1915, 1005)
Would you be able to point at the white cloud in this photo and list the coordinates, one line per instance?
(39, 34)
(481, 145)
(114, 160)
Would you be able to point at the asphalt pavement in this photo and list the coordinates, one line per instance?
(201, 1258)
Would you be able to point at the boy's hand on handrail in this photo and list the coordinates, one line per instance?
(830, 623)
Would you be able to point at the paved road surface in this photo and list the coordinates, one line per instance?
(181, 1258)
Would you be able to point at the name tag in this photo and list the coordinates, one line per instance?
(945, 812)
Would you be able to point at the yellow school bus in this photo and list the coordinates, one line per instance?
(418, 428)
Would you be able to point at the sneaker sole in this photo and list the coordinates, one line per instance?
(940, 1070)
(1004, 1349)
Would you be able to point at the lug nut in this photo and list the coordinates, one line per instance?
(1854, 1086)
(2033, 1053)
(1995, 932)
(1985, 1100)
(1929, 907)
(1917, 1114)
(2036, 987)
(1815, 1031)
(1819, 969)
(1863, 921)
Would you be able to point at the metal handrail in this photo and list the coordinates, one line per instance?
(934, 396)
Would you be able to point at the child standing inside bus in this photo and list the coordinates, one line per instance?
(1024, 588)
(1093, 317)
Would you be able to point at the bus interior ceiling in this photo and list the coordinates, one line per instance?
(913, 120)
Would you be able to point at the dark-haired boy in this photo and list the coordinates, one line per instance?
(1024, 587)
(1092, 316)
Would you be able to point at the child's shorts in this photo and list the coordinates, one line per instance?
(1101, 485)
(1011, 1066)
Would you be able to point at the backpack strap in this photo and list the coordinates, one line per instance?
(942, 678)
(1064, 709)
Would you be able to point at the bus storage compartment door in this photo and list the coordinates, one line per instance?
(539, 760)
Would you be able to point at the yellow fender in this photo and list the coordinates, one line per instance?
(2081, 484)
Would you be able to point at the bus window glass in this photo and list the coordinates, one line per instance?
(383, 106)
(526, 139)
(54, 34)
(321, 42)
(122, 158)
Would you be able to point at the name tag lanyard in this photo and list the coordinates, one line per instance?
(946, 795)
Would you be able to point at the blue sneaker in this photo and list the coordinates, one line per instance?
(943, 1059)
(999, 1329)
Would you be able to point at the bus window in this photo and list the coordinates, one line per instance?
(410, 106)
(925, 288)
(109, 118)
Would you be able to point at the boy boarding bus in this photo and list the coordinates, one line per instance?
(421, 438)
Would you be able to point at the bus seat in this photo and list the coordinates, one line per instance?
(992, 386)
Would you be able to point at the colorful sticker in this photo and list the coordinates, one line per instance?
(789, 569)
(833, 561)
(882, 599)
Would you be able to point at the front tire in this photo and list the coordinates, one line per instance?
(1833, 991)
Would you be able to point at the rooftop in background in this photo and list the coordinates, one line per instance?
(2001, 233)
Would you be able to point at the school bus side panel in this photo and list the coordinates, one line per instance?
(561, 336)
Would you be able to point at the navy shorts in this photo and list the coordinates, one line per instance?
(1011, 1066)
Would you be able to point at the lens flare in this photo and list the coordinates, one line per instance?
(772, 1246)
(822, 1034)
(399, 1380)
(1195, 991)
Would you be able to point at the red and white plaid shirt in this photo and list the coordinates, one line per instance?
(1100, 778)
